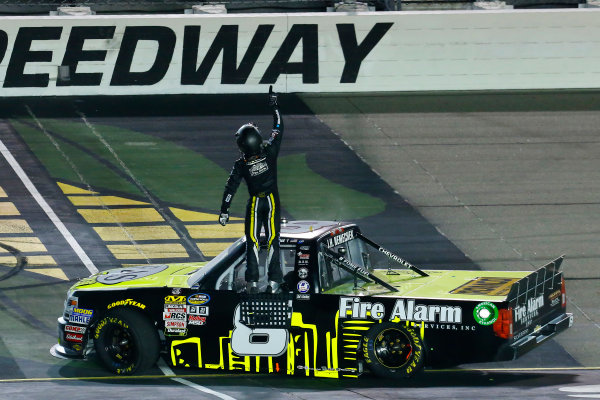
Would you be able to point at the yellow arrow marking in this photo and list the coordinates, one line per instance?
(14, 226)
(23, 244)
(215, 231)
(196, 216)
(52, 272)
(8, 208)
(69, 189)
(104, 201)
(129, 251)
(123, 215)
(138, 233)
(213, 249)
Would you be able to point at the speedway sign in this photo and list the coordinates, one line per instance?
(185, 54)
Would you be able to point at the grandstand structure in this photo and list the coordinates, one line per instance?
(66, 7)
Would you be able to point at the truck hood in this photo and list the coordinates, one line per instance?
(141, 276)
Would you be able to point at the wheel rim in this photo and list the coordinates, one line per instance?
(119, 345)
(393, 348)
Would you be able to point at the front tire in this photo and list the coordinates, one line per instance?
(126, 342)
(393, 350)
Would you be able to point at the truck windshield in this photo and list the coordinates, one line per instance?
(331, 274)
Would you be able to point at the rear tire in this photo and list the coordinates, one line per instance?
(126, 342)
(393, 350)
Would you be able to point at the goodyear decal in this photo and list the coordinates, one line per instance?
(127, 302)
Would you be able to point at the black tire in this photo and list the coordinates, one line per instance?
(126, 342)
(393, 350)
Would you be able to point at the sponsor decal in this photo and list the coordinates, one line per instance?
(127, 302)
(77, 347)
(525, 313)
(176, 291)
(196, 320)
(81, 316)
(258, 167)
(303, 256)
(303, 286)
(170, 324)
(198, 310)
(83, 311)
(175, 300)
(451, 327)
(521, 334)
(75, 329)
(405, 310)
(174, 316)
(554, 298)
(74, 337)
(485, 313)
(175, 308)
(304, 248)
(175, 332)
(486, 286)
(300, 296)
(339, 239)
(303, 262)
(303, 273)
(114, 276)
(198, 299)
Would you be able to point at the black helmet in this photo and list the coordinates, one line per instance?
(249, 140)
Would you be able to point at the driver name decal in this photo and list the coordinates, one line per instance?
(405, 310)
(339, 239)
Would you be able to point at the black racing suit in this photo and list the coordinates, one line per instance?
(260, 174)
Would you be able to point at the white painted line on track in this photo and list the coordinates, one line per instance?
(89, 264)
(585, 391)
(167, 371)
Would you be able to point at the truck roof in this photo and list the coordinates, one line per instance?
(310, 229)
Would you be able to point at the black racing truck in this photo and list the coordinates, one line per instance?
(347, 306)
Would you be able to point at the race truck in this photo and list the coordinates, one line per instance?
(347, 306)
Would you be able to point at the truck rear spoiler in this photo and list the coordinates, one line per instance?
(547, 277)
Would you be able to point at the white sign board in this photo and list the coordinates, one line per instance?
(316, 52)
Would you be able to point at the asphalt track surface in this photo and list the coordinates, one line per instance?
(463, 180)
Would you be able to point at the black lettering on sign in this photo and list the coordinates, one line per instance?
(75, 53)
(3, 44)
(22, 54)
(226, 41)
(122, 75)
(308, 67)
(354, 54)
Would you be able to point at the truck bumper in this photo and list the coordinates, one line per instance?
(67, 349)
(535, 338)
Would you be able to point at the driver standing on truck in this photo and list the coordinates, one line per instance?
(258, 167)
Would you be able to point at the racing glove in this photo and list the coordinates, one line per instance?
(223, 219)
(272, 97)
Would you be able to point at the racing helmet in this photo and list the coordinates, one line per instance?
(249, 140)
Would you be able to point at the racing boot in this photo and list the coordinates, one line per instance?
(273, 288)
(252, 287)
